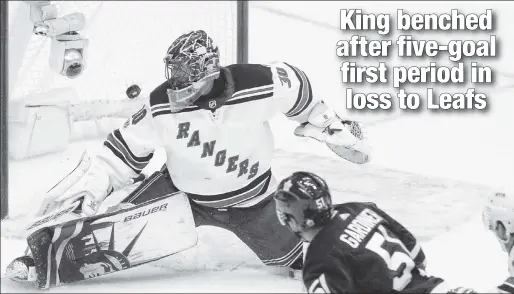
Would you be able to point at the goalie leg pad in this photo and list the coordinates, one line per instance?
(94, 246)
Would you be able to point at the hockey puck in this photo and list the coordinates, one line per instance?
(133, 91)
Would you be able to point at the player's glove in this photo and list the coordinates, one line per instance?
(343, 137)
(87, 183)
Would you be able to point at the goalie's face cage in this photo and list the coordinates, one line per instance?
(498, 217)
(191, 62)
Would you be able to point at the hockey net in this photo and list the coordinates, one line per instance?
(127, 41)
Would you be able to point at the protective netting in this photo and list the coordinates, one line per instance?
(128, 40)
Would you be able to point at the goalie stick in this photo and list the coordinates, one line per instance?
(49, 201)
(53, 211)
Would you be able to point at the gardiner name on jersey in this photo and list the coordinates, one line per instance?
(364, 250)
(360, 227)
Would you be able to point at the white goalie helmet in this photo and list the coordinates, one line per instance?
(498, 217)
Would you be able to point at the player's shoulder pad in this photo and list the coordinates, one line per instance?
(159, 95)
(159, 102)
(299, 73)
(248, 76)
(354, 208)
(371, 204)
(277, 63)
(361, 204)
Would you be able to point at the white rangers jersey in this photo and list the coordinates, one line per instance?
(219, 156)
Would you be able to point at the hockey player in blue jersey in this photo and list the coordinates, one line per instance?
(354, 247)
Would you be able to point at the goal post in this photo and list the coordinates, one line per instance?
(242, 31)
(4, 165)
(127, 41)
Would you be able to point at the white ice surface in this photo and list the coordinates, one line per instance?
(465, 256)
(471, 147)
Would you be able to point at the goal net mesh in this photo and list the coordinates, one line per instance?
(127, 41)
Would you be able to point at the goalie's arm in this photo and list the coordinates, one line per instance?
(292, 91)
(294, 96)
(128, 149)
(123, 156)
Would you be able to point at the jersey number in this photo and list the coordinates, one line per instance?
(284, 78)
(319, 285)
(136, 117)
(395, 256)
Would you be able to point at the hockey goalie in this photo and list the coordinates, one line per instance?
(212, 122)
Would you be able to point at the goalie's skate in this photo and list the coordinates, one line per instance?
(22, 269)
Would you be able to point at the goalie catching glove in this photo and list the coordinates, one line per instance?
(87, 183)
(344, 137)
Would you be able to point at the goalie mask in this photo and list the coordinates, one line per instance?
(191, 63)
(498, 217)
(303, 202)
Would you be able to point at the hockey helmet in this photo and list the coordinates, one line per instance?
(303, 202)
(498, 217)
(191, 62)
